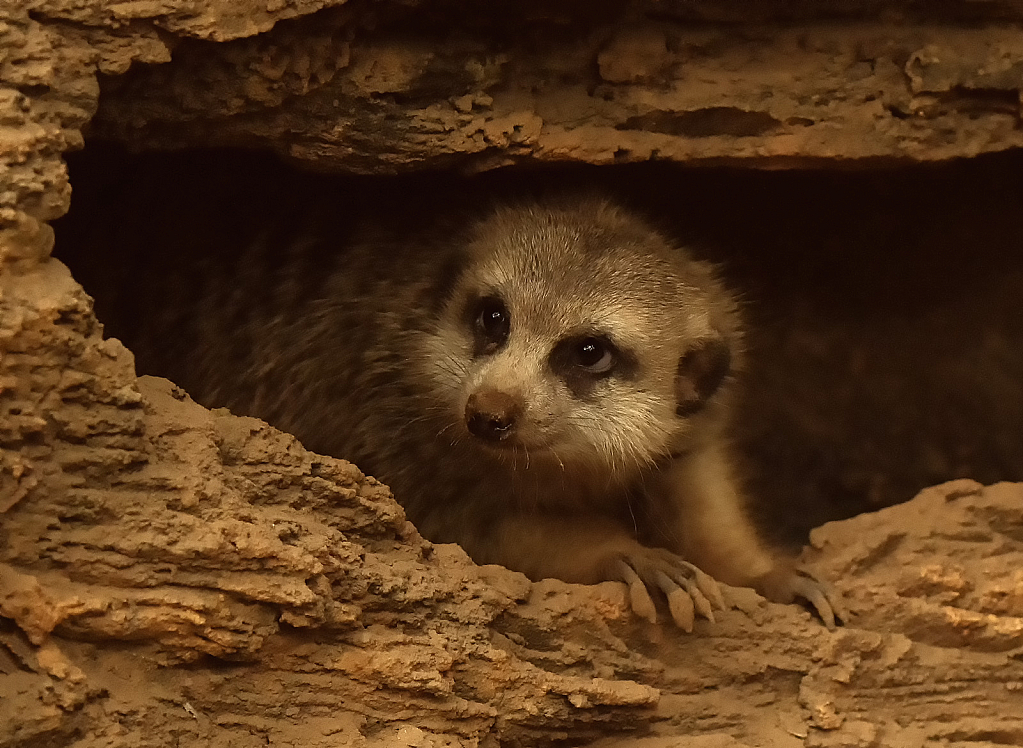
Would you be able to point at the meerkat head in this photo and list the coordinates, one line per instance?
(579, 335)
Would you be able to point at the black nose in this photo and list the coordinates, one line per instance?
(492, 415)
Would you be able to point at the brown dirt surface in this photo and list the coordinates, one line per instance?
(171, 576)
(189, 577)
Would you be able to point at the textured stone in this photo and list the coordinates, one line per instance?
(171, 576)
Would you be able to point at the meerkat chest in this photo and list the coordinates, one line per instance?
(564, 491)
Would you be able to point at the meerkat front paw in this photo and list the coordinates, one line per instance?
(687, 589)
(787, 583)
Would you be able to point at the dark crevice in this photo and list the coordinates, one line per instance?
(886, 337)
(704, 123)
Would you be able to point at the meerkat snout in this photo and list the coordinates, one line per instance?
(492, 415)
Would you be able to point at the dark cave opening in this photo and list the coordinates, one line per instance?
(886, 337)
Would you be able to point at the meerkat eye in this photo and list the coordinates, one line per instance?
(594, 355)
(492, 323)
(582, 361)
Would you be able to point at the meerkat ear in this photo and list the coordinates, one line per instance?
(701, 371)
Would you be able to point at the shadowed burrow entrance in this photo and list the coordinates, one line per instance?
(886, 337)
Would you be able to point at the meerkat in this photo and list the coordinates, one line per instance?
(547, 386)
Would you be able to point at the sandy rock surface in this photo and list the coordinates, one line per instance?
(411, 93)
(172, 575)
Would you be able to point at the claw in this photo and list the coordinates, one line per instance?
(680, 603)
(786, 583)
(700, 601)
(689, 591)
(708, 586)
(639, 597)
(821, 596)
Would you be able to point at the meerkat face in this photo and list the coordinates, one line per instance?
(577, 336)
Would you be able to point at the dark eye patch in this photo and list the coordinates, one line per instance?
(585, 359)
(490, 321)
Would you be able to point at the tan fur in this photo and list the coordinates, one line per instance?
(374, 353)
(579, 464)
